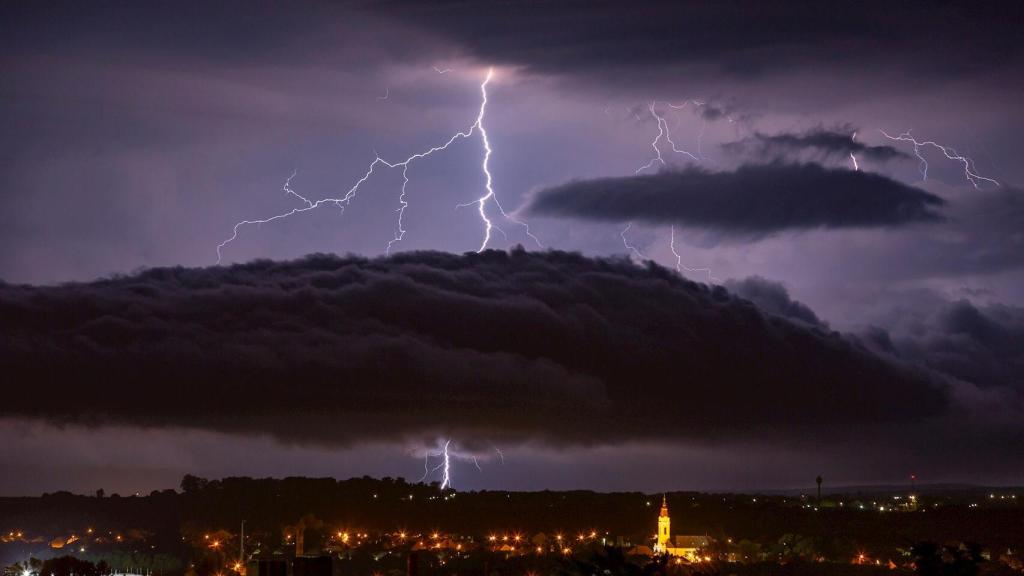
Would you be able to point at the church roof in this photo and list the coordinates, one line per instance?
(689, 541)
(664, 506)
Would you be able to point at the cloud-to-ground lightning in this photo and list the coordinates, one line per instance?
(489, 196)
(445, 465)
(947, 151)
(447, 455)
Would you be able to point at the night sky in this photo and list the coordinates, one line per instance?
(846, 303)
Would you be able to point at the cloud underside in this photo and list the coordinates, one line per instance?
(820, 142)
(553, 346)
(753, 200)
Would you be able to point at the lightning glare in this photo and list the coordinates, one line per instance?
(679, 259)
(947, 151)
(489, 197)
(856, 168)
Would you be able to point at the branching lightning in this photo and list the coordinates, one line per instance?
(445, 465)
(663, 132)
(490, 195)
(947, 151)
(446, 455)
(341, 202)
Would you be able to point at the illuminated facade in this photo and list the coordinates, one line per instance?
(688, 547)
(664, 528)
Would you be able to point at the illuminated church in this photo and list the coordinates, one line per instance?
(688, 547)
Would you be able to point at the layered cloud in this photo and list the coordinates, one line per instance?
(745, 39)
(818, 143)
(512, 345)
(752, 201)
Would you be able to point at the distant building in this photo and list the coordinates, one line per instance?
(298, 566)
(267, 567)
(688, 546)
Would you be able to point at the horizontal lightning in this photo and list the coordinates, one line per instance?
(947, 151)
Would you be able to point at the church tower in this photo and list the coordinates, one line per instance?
(663, 528)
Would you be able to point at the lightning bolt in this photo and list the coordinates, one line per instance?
(663, 132)
(387, 94)
(447, 455)
(948, 151)
(341, 202)
(679, 259)
(442, 71)
(489, 195)
(447, 467)
(630, 247)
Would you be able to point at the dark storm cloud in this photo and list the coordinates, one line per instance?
(514, 345)
(743, 39)
(752, 201)
(983, 345)
(773, 298)
(818, 142)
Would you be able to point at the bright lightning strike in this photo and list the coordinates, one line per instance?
(482, 203)
(445, 456)
(490, 195)
(445, 465)
(947, 151)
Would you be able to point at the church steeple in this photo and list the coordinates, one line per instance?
(664, 528)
